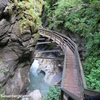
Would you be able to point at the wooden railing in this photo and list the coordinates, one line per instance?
(68, 94)
(66, 41)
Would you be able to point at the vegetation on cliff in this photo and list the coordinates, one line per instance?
(83, 18)
(30, 11)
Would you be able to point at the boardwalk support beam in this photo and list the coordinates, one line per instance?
(48, 58)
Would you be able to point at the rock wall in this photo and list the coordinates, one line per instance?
(16, 52)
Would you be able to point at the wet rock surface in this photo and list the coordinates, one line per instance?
(16, 52)
(51, 68)
(35, 95)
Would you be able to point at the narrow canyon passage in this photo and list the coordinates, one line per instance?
(45, 73)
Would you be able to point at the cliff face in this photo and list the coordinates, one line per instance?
(16, 52)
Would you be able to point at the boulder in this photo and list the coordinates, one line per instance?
(36, 95)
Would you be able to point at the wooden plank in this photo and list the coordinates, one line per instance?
(48, 58)
(47, 51)
(41, 39)
(91, 92)
(73, 96)
(43, 43)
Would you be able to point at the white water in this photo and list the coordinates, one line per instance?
(37, 79)
(34, 68)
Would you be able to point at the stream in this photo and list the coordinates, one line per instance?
(44, 73)
(37, 79)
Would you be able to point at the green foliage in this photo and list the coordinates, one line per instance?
(92, 65)
(2, 71)
(95, 4)
(54, 93)
(82, 18)
(1, 94)
(1, 97)
(36, 36)
(87, 1)
(30, 12)
(52, 45)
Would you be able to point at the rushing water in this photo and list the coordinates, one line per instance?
(36, 79)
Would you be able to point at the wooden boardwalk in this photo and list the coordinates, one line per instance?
(73, 85)
(71, 82)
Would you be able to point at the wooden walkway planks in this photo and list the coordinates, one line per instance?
(49, 58)
(41, 39)
(47, 51)
(71, 82)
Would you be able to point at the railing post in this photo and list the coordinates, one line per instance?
(62, 94)
(70, 98)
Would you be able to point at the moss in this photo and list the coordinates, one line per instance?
(31, 10)
(36, 36)
(0, 59)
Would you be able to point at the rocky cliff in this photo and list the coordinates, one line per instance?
(16, 51)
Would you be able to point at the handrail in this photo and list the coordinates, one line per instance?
(73, 47)
(64, 67)
(52, 36)
(69, 94)
(80, 69)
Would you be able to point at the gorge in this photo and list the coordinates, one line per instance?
(20, 21)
